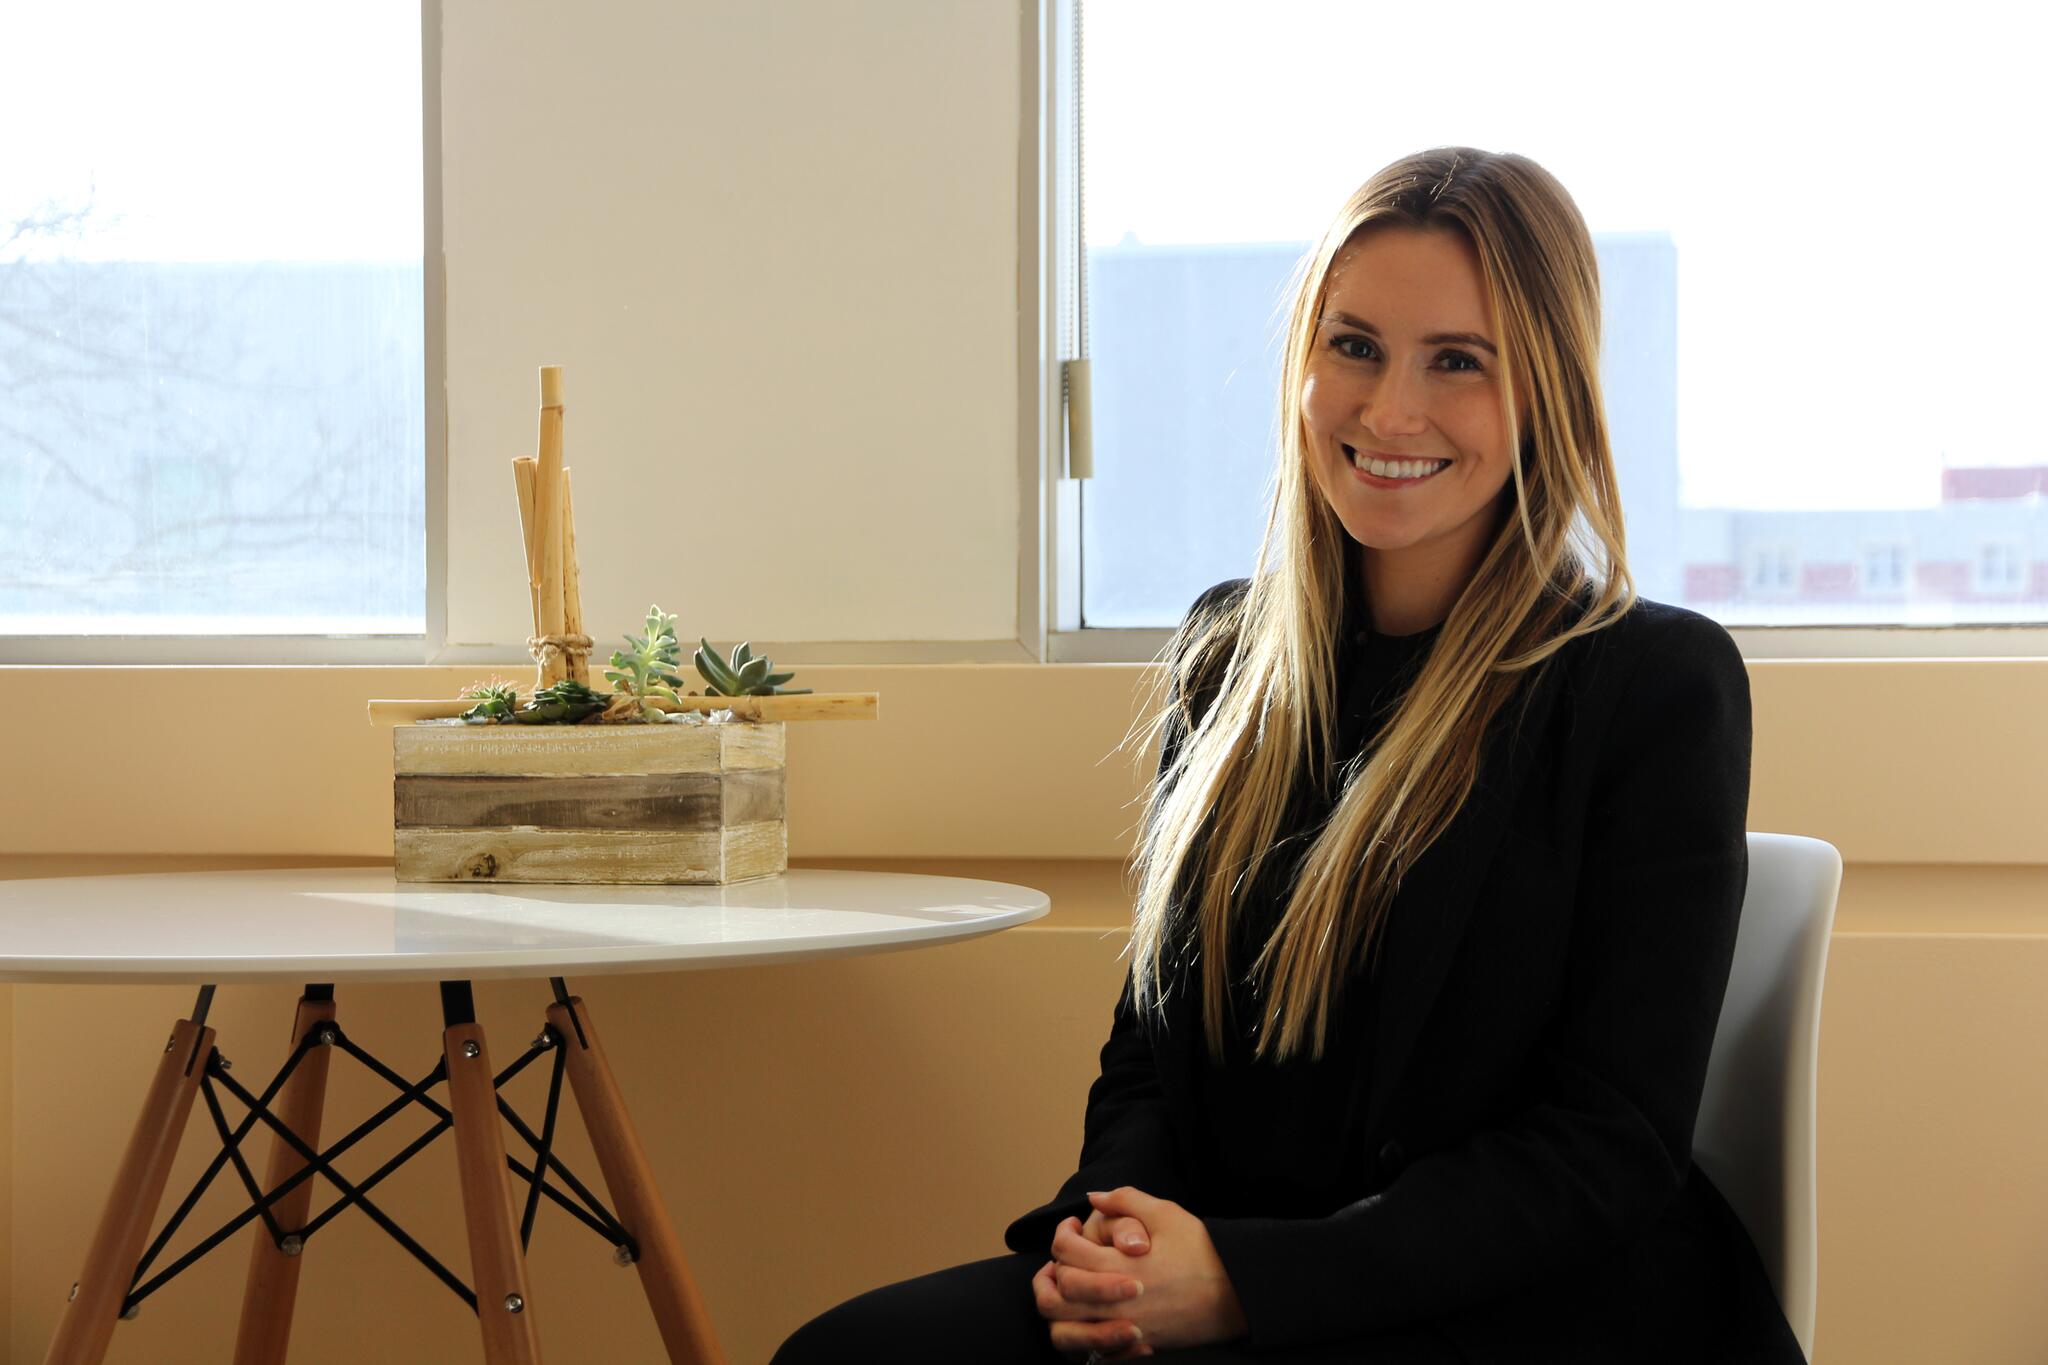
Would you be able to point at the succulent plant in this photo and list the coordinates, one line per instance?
(744, 676)
(646, 667)
(562, 703)
(495, 701)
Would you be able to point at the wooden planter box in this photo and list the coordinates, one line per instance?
(669, 804)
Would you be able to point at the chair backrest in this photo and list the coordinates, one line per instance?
(1759, 1118)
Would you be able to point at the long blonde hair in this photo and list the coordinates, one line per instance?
(1555, 570)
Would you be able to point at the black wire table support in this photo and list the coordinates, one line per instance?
(123, 1264)
(586, 1207)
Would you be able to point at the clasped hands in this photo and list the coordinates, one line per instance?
(1141, 1274)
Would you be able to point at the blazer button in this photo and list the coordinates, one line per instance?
(1391, 1156)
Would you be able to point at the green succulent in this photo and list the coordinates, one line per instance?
(646, 667)
(744, 676)
(562, 703)
(495, 702)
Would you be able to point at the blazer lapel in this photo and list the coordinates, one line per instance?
(1435, 900)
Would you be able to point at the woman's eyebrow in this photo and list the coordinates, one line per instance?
(1459, 338)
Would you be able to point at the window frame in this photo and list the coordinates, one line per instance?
(1049, 571)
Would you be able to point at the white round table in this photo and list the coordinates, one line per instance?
(361, 924)
(321, 926)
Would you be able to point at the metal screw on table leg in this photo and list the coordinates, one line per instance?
(131, 1312)
(514, 1304)
(545, 1041)
(225, 1064)
(292, 1244)
(171, 1044)
(327, 1037)
(72, 1295)
(471, 1048)
(623, 1255)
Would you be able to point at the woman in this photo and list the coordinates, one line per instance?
(1459, 820)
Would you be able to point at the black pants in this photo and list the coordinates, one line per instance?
(983, 1313)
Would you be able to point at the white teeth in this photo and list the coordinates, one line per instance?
(1397, 469)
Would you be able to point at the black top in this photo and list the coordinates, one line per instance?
(1277, 1138)
(1548, 991)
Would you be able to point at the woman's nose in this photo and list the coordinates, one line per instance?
(1393, 408)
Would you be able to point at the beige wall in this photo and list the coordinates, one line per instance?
(786, 298)
(774, 247)
(1896, 761)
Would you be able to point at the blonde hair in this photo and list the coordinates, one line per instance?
(1555, 570)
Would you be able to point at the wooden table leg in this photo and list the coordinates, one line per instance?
(664, 1274)
(87, 1327)
(273, 1283)
(504, 1302)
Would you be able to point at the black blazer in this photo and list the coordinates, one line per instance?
(1552, 976)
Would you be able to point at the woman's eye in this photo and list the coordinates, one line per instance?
(1342, 346)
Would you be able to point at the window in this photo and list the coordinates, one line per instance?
(211, 322)
(1884, 568)
(2001, 566)
(1772, 569)
(1763, 426)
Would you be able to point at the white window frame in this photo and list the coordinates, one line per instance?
(1048, 574)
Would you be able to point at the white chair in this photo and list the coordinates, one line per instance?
(1759, 1118)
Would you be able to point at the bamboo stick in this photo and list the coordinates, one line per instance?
(572, 584)
(523, 474)
(547, 498)
(801, 706)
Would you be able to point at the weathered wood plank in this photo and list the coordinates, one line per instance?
(678, 801)
(801, 706)
(753, 795)
(586, 750)
(756, 850)
(660, 801)
(623, 857)
(763, 745)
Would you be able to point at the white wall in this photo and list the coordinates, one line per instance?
(774, 245)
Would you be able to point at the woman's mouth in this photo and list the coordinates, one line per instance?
(1379, 472)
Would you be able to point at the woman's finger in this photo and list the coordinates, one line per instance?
(1094, 1286)
(1113, 1339)
(1069, 1247)
(1129, 1236)
(1052, 1303)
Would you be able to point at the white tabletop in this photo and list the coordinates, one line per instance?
(362, 924)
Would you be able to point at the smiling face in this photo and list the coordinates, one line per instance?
(1404, 368)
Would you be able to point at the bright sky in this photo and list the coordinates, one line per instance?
(1849, 189)
(228, 130)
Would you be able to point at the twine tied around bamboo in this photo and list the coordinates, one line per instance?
(573, 648)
